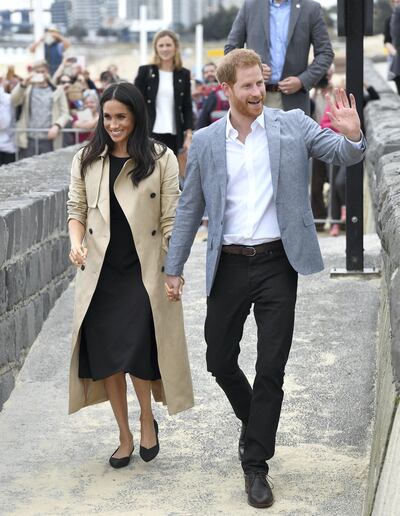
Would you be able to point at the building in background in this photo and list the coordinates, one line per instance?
(61, 11)
(154, 9)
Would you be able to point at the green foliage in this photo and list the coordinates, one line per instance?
(382, 11)
(217, 25)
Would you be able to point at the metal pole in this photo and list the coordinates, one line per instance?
(354, 176)
(143, 34)
(38, 27)
(199, 50)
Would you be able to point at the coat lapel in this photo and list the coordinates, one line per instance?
(295, 9)
(104, 196)
(218, 146)
(272, 126)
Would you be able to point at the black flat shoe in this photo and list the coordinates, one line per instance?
(241, 441)
(122, 462)
(259, 493)
(148, 454)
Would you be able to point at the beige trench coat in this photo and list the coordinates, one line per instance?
(150, 211)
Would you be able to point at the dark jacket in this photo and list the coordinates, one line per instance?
(306, 27)
(147, 81)
(395, 35)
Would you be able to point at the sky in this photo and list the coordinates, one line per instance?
(20, 4)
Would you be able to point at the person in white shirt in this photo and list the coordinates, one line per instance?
(166, 87)
(250, 170)
(7, 121)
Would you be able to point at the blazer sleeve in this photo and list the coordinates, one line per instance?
(141, 79)
(395, 28)
(77, 203)
(169, 192)
(187, 105)
(188, 215)
(326, 145)
(238, 35)
(323, 52)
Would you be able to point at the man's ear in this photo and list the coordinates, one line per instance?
(226, 88)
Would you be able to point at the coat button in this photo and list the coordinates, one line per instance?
(149, 87)
(181, 93)
(152, 195)
(153, 74)
(179, 80)
(153, 232)
(148, 101)
(91, 231)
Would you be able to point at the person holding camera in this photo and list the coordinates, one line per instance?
(54, 46)
(43, 106)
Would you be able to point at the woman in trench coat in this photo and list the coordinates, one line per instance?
(121, 209)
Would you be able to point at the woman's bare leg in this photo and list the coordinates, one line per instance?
(115, 386)
(143, 393)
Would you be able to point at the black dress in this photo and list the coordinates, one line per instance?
(118, 329)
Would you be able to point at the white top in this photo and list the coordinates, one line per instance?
(250, 213)
(7, 121)
(165, 105)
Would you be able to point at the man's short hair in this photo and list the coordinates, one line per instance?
(238, 58)
(41, 63)
(211, 63)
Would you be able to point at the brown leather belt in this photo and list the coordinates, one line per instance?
(252, 250)
(272, 87)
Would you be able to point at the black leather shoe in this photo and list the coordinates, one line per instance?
(259, 493)
(241, 441)
(122, 462)
(148, 454)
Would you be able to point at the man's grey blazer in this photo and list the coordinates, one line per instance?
(306, 27)
(293, 137)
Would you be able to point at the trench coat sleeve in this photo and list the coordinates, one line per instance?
(169, 193)
(64, 116)
(77, 203)
(18, 95)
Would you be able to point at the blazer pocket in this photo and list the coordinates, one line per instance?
(308, 218)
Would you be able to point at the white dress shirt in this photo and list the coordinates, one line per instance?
(165, 105)
(250, 213)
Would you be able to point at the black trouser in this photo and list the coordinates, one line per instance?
(338, 196)
(268, 281)
(6, 157)
(170, 140)
(318, 178)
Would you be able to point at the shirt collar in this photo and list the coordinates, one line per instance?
(272, 2)
(231, 132)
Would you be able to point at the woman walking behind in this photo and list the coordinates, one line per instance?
(165, 86)
(121, 209)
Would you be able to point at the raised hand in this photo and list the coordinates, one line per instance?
(343, 114)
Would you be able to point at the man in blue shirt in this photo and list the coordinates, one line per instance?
(281, 32)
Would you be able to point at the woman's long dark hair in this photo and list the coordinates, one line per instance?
(140, 147)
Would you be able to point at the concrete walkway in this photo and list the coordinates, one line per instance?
(52, 464)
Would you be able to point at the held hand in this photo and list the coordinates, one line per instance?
(173, 287)
(78, 255)
(343, 114)
(53, 132)
(290, 85)
(266, 72)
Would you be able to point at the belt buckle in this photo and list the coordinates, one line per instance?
(251, 249)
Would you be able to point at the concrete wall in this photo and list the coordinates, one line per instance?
(382, 122)
(34, 246)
